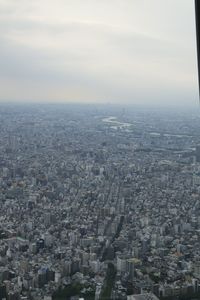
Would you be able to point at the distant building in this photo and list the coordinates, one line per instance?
(198, 153)
(149, 296)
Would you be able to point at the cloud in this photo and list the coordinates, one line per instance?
(97, 51)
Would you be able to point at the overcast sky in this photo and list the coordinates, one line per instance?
(113, 51)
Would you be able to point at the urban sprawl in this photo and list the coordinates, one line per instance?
(99, 202)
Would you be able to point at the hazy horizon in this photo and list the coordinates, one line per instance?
(137, 52)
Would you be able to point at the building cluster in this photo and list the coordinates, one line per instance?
(81, 191)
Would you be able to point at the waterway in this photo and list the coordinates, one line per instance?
(115, 124)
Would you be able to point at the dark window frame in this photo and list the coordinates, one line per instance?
(197, 10)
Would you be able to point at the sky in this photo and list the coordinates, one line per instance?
(98, 51)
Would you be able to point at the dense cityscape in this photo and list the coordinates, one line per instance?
(99, 202)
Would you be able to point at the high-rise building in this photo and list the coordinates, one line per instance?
(198, 153)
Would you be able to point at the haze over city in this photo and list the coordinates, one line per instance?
(130, 52)
(99, 150)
